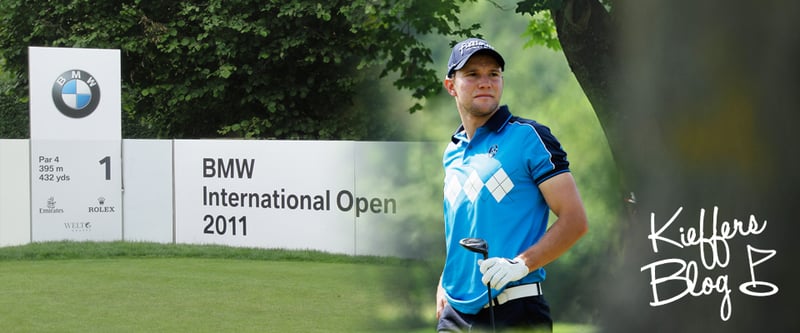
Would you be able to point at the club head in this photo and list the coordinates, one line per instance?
(477, 245)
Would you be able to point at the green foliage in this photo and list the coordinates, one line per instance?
(542, 31)
(541, 28)
(13, 118)
(533, 6)
(242, 68)
(13, 111)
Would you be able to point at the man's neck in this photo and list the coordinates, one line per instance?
(471, 122)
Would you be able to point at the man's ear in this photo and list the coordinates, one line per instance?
(449, 85)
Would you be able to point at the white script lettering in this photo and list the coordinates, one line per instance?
(714, 251)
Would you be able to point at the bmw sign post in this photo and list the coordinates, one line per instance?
(75, 117)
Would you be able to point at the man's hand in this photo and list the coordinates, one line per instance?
(501, 271)
(441, 301)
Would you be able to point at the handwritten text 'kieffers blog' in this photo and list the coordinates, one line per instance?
(715, 252)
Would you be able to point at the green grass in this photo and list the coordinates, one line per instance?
(145, 287)
(180, 294)
(100, 250)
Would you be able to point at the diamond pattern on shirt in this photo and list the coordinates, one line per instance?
(499, 184)
(473, 186)
(451, 189)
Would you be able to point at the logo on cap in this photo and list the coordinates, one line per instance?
(464, 50)
(471, 44)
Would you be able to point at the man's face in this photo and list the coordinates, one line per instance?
(477, 86)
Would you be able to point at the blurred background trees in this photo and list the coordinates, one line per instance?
(242, 68)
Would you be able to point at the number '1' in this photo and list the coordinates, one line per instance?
(107, 161)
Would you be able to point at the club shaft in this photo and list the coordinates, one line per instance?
(491, 299)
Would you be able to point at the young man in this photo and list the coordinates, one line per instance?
(503, 175)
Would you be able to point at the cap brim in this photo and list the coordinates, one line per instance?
(488, 51)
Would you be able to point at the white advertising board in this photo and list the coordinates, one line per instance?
(75, 155)
(268, 194)
(75, 94)
(75, 191)
(361, 198)
(15, 195)
(147, 180)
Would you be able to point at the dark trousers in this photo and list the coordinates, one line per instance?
(528, 314)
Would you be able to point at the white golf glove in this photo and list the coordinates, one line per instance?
(501, 271)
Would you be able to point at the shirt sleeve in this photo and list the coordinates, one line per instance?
(549, 159)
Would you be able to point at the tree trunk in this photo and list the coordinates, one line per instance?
(585, 31)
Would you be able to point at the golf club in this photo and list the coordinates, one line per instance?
(479, 245)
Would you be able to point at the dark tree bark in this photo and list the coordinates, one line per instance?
(586, 34)
(584, 30)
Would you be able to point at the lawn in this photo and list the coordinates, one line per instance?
(142, 287)
(186, 295)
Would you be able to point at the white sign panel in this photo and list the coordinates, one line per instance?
(75, 94)
(75, 144)
(15, 205)
(147, 179)
(268, 194)
(362, 198)
(75, 192)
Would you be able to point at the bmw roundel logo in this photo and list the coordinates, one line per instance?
(76, 93)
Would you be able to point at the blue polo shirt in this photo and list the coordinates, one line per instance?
(491, 192)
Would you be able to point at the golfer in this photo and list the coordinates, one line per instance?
(503, 175)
